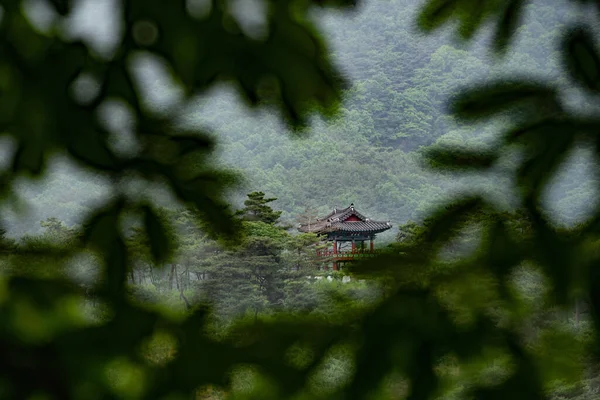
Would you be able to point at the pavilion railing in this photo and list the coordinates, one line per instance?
(356, 253)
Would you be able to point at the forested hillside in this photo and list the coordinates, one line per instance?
(370, 153)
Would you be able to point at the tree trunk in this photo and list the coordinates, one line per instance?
(151, 273)
(171, 276)
(187, 303)
(174, 267)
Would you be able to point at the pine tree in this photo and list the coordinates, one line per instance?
(7, 244)
(257, 209)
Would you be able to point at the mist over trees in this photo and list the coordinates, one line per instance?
(369, 154)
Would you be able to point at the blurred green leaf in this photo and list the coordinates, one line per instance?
(471, 16)
(503, 252)
(524, 383)
(63, 7)
(493, 98)
(102, 232)
(582, 58)
(117, 84)
(29, 157)
(459, 159)
(593, 288)
(546, 144)
(102, 228)
(557, 256)
(160, 239)
(507, 25)
(435, 13)
(293, 53)
(446, 221)
(92, 149)
(408, 328)
(190, 142)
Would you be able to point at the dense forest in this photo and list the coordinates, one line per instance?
(273, 270)
(369, 154)
(148, 240)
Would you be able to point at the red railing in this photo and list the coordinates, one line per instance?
(347, 255)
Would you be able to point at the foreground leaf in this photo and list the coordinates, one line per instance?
(494, 98)
(161, 245)
(582, 58)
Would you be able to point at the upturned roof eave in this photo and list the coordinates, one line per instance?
(336, 220)
(346, 229)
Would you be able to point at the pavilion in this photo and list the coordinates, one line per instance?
(343, 227)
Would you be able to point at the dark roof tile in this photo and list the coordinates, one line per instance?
(336, 221)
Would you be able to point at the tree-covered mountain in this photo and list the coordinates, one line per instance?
(369, 154)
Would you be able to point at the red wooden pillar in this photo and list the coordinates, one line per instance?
(353, 246)
(335, 251)
(372, 248)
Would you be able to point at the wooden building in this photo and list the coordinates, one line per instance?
(346, 232)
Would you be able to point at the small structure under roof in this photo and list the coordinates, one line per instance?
(342, 226)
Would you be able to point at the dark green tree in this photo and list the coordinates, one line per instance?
(256, 208)
(7, 244)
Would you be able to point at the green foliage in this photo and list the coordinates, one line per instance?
(397, 104)
(6, 244)
(289, 70)
(423, 315)
(545, 132)
(157, 234)
(472, 16)
(257, 209)
(582, 58)
(457, 158)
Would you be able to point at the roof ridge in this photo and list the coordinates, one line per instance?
(336, 219)
(335, 211)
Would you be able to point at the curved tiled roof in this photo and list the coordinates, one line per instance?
(344, 213)
(361, 226)
(337, 221)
